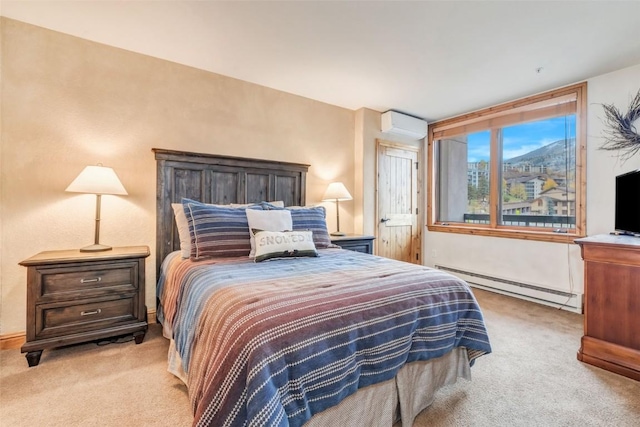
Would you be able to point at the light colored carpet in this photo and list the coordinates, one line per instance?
(532, 378)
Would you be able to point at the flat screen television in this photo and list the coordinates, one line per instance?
(628, 203)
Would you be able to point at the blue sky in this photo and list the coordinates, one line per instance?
(523, 138)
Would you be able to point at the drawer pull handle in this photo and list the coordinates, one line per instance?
(89, 313)
(99, 279)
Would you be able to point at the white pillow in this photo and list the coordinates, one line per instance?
(183, 229)
(277, 220)
(284, 244)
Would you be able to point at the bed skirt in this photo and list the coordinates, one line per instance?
(382, 405)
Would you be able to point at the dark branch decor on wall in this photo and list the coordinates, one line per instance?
(622, 134)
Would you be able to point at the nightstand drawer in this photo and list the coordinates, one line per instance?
(354, 242)
(57, 319)
(86, 280)
(365, 247)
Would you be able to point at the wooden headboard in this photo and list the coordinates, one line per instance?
(221, 180)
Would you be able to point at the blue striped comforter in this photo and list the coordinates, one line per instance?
(273, 343)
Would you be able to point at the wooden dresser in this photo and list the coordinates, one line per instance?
(611, 337)
(75, 296)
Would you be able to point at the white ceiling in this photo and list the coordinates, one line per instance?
(428, 59)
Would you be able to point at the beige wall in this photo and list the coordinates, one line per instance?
(68, 102)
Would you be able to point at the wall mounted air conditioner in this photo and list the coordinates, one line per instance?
(401, 124)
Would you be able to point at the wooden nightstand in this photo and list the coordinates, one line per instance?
(74, 296)
(354, 242)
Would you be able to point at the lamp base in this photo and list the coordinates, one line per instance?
(96, 248)
(338, 233)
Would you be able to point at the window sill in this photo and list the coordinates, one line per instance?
(522, 234)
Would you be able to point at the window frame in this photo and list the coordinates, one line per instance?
(494, 115)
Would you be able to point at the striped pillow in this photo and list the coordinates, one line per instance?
(312, 218)
(217, 231)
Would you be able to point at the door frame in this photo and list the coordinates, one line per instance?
(419, 188)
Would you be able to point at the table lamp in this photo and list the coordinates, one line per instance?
(97, 180)
(337, 192)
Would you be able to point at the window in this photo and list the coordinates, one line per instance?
(514, 170)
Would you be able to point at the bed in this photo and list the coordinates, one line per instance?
(335, 338)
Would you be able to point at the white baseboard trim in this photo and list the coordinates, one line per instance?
(570, 301)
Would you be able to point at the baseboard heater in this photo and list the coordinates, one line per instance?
(552, 297)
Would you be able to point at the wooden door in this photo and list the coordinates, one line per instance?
(398, 233)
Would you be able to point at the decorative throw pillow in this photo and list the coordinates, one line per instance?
(312, 218)
(217, 231)
(284, 244)
(183, 229)
(276, 220)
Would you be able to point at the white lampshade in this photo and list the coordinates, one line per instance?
(336, 191)
(97, 180)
